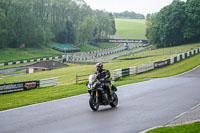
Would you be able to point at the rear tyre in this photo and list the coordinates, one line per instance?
(115, 100)
(94, 103)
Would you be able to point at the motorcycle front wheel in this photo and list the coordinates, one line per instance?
(115, 100)
(94, 103)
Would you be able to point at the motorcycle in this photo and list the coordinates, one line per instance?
(99, 94)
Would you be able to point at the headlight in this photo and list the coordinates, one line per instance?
(89, 86)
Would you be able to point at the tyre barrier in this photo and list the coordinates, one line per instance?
(151, 66)
(132, 71)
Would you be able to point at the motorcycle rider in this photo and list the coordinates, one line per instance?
(103, 75)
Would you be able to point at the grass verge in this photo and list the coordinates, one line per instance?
(18, 99)
(188, 128)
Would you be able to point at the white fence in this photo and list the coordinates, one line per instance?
(49, 82)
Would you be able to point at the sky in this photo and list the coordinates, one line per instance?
(138, 6)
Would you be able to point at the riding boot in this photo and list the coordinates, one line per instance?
(111, 94)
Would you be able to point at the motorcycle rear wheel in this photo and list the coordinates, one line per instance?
(94, 103)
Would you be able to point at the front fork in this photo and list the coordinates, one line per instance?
(96, 94)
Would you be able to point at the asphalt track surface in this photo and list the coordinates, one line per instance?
(141, 106)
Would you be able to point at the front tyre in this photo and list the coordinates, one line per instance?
(115, 100)
(94, 103)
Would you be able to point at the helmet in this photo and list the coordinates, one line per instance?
(99, 66)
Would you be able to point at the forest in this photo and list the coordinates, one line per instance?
(175, 24)
(35, 23)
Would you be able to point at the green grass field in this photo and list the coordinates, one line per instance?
(68, 88)
(87, 47)
(16, 54)
(131, 28)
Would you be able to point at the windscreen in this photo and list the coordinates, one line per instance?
(92, 78)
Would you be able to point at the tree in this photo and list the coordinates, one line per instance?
(3, 31)
(148, 16)
(127, 14)
(166, 27)
(86, 30)
(151, 29)
(192, 25)
(140, 16)
(113, 24)
(37, 22)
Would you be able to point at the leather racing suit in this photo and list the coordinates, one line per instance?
(103, 76)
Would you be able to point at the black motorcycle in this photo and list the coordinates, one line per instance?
(99, 94)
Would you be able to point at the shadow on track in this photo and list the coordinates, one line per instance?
(106, 109)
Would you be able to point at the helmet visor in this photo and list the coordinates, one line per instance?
(98, 68)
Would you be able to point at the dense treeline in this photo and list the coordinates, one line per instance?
(37, 22)
(175, 24)
(130, 15)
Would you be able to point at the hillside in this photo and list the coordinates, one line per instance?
(130, 28)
